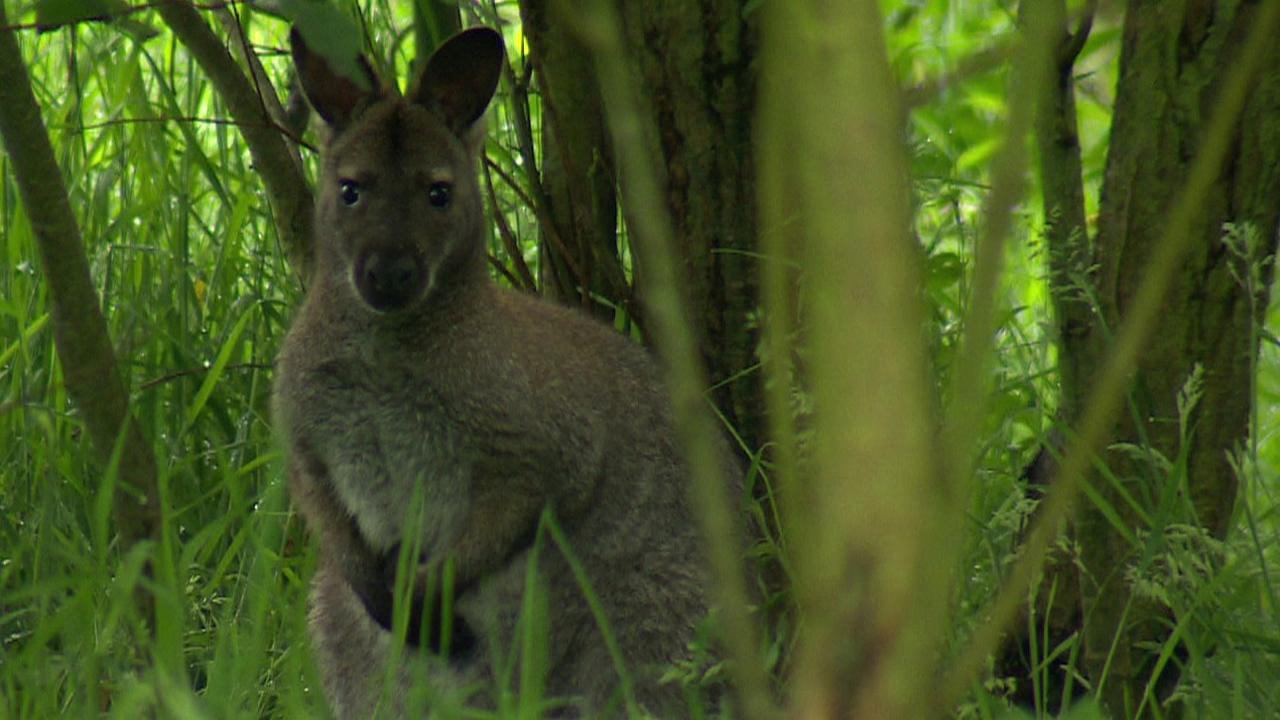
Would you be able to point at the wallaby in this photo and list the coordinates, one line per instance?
(409, 373)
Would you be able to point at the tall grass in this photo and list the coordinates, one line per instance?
(196, 297)
(197, 294)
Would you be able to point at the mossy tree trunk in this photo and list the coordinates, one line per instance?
(693, 63)
(863, 502)
(1168, 462)
(695, 66)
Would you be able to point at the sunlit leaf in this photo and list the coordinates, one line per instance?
(329, 32)
(52, 14)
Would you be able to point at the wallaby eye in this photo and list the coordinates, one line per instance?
(350, 192)
(439, 194)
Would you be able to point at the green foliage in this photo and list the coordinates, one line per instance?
(329, 32)
(197, 295)
(55, 13)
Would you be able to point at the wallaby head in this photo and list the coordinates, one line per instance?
(399, 211)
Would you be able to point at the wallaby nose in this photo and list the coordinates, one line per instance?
(388, 279)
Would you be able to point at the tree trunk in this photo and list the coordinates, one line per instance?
(1177, 60)
(695, 66)
(863, 514)
(693, 63)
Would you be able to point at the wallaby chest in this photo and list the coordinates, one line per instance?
(435, 417)
(383, 434)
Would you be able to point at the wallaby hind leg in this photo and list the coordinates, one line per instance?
(354, 654)
(350, 649)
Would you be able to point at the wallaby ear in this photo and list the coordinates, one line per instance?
(461, 76)
(333, 95)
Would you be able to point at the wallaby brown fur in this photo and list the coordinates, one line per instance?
(409, 373)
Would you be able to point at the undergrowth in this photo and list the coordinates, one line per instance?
(197, 295)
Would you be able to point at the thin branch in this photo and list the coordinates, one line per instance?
(262, 85)
(979, 63)
(178, 374)
(282, 177)
(501, 267)
(990, 58)
(533, 176)
(509, 239)
(609, 262)
(117, 14)
(524, 126)
(544, 218)
(1074, 42)
(550, 124)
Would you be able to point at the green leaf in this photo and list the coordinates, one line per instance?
(52, 14)
(215, 372)
(29, 332)
(1084, 709)
(331, 33)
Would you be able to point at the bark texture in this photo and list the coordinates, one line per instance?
(579, 248)
(694, 64)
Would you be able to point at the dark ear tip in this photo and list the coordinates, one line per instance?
(482, 38)
(478, 33)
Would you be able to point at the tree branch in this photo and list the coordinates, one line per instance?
(542, 213)
(979, 63)
(525, 281)
(281, 175)
(266, 92)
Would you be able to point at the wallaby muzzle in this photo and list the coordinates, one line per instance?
(389, 279)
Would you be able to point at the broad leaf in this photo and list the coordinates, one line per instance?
(329, 32)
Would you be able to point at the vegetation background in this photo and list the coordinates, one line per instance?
(905, 243)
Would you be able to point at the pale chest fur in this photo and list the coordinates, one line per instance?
(393, 422)
(382, 434)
